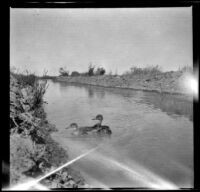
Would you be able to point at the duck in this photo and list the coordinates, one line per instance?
(79, 130)
(99, 128)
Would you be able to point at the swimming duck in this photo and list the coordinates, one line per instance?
(79, 130)
(101, 129)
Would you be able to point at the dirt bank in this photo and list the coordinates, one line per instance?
(32, 150)
(168, 82)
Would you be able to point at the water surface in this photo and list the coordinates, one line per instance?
(152, 140)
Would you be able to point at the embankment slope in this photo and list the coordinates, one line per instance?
(32, 150)
(168, 82)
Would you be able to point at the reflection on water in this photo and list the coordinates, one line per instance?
(151, 131)
(171, 104)
(174, 105)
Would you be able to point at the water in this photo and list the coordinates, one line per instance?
(152, 141)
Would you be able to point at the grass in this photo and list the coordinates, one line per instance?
(25, 79)
(36, 87)
(151, 70)
(186, 69)
(39, 89)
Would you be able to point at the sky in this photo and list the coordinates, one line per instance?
(113, 38)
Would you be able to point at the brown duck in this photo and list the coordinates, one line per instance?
(101, 129)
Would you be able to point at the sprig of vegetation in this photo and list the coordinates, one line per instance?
(39, 90)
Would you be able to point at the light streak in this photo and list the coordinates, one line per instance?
(160, 184)
(148, 178)
(96, 183)
(33, 182)
(66, 164)
(137, 174)
(40, 187)
(30, 184)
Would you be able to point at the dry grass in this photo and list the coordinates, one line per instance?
(151, 70)
(39, 90)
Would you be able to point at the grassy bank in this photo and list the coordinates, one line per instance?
(32, 150)
(164, 82)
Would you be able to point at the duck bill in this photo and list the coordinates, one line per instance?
(94, 119)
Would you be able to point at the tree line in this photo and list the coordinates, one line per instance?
(92, 71)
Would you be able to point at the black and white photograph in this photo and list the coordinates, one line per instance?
(102, 98)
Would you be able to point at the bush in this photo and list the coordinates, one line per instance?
(91, 70)
(26, 92)
(24, 80)
(100, 71)
(186, 69)
(84, 74)
(75, 74)
(151, 70)
(39, 90)
(63, 72)
(20, 149)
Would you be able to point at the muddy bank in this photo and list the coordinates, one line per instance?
(32, 150)
(168, 82)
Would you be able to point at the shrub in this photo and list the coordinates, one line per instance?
(84, 74)
(100, 71)
(91, 70)
(151, 70)
(186, 69)
(24, 80)
(75, 74)
(20, 149)
(63, 72)
(39, 90)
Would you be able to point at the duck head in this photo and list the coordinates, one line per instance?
(98, 118)
(73, 126)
